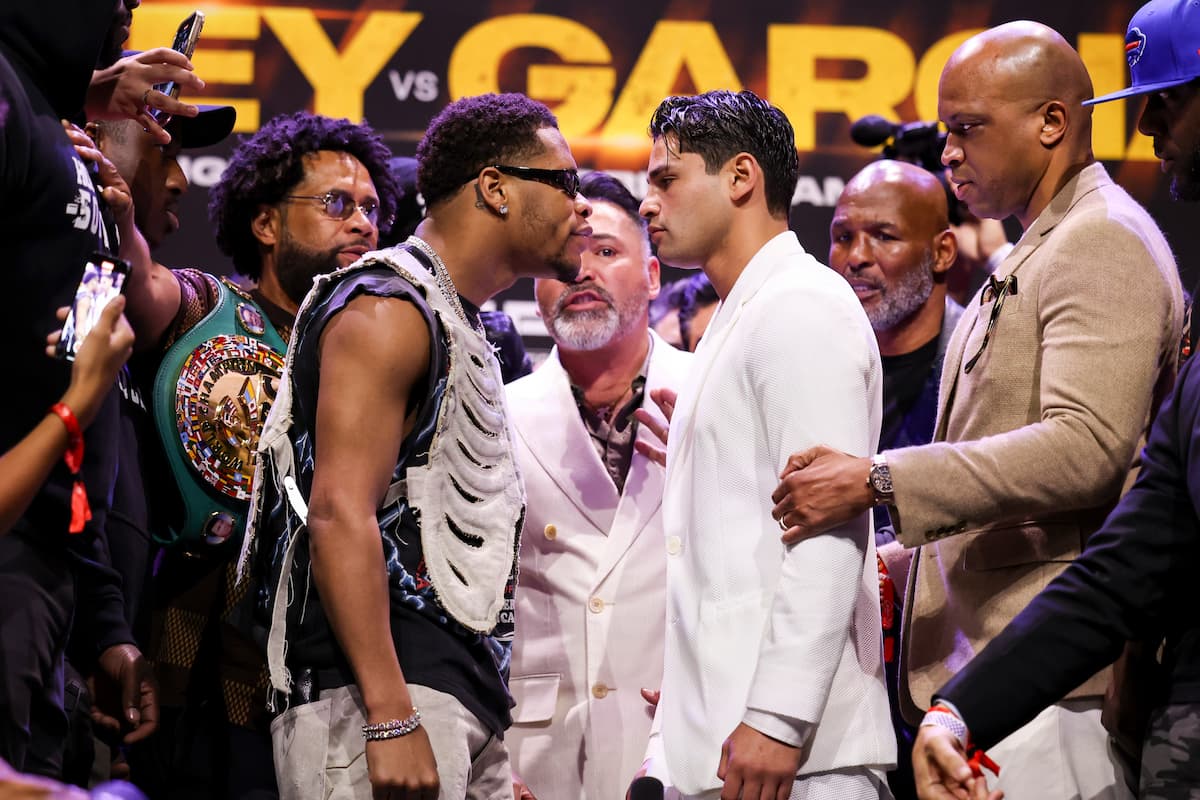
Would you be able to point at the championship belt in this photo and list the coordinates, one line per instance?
(211, 396)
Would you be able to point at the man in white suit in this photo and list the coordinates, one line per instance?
(591, 600)
(773, 677)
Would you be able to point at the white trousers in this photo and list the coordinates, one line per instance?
(856, 783)
(320, 753)
(1063, 754)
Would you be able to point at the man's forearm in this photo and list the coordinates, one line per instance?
(811, 617)
(348, 567)
(152, 290)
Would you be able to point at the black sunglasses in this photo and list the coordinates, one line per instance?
(993, 290)
(565, 180)
(340, 205)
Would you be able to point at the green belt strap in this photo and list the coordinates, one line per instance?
(211, 396)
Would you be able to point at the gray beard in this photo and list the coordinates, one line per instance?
(901, 301)
(586, 330)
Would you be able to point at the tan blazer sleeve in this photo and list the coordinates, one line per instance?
(1049, 419)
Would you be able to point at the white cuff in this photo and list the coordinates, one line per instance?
(794, 732)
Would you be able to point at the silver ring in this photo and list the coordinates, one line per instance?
(783, 525)
(145, 98)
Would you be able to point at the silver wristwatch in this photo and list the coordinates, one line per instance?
(879, 481)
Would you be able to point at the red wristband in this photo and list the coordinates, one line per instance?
(976, 758)
(81, 512)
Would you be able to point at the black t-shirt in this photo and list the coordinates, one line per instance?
(904, 378)
(50, 224)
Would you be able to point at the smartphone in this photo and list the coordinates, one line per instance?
(185, 42)
(103, 279)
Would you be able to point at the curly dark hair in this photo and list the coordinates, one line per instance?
(270, 164)
(720, 124)
(477, 132)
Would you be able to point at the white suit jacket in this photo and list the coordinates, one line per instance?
(591, 594)
(793, 634)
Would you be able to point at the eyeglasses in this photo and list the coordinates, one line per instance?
(997, 291)
(565, 180)
(340, 205)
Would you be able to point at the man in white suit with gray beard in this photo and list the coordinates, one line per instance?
(592, 587)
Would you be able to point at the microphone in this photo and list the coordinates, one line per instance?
(646, 788)
(872, 130)
(918, 143)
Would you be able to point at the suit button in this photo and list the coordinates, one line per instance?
(596, 605)
(551, 532)
(674, 545)
(600, 691)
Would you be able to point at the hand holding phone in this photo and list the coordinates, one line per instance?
(186, 37)
(100, 358)
(103, 279)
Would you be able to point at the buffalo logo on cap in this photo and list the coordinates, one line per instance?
(1135, 45)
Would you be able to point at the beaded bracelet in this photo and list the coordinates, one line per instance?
(944, 717)
(392, 727)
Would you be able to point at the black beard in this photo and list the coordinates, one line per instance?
(297, 265)
(1187, 189)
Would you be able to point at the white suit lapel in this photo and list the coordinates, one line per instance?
(562, 446)
(773, 255)
(679, 441)
(642, 497)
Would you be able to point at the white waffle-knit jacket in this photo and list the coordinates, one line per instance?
(786, 639)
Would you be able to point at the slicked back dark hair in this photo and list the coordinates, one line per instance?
(477, 132)
(270, 164)
(602, 186)
(720, 124)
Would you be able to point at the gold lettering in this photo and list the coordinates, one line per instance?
(673, 47)
(929, 72)
(580, 95)
(793, 52)
(1104, 55)
(154, 26)
(339, 77)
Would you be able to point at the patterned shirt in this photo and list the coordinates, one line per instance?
(614, 430)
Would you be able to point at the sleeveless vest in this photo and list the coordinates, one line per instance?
(467, 491)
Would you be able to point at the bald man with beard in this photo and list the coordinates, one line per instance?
(1047, 390)
(891, 240)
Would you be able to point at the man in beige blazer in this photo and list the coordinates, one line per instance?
(591, 601)
(1047, 389)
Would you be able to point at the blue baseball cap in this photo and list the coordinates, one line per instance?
(1162, 47)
